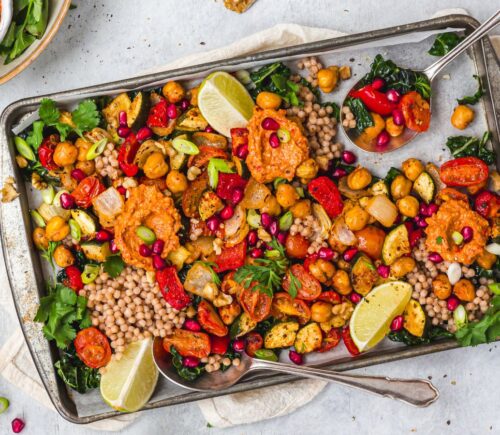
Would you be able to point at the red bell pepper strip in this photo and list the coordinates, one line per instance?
(487, 204)
(126, 155)
(46, 152)
(310, 259)
(219, 345)
(73, 278)
(87, 190)
(374, 100)
(330, 296)
(158, 115)
(464, 171)
(231, 258)
(239, 137)
(228, 183)
(171, 288)
(324, 190)
(349, 342)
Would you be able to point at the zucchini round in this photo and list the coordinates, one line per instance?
(396, 244)
(425, 187)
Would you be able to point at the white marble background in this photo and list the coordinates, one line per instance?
(108, 40)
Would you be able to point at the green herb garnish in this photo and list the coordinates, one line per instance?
(444, 43)
(210, 265)
(465, 146)
(114, 265)
(187, 373)
(485, 330)
(473, 99)
(48, 253)
(75, 373)
(361, 114)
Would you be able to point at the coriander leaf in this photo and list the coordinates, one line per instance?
(44, 309)
(473, 99)
(485, 330)
(85, 116)
(66, 295)
(361, 114)
(48, 253)
(114, 265)
(48, 112)
(444, 43)
(35, 136)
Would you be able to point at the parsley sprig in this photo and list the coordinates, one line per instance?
(484, 331)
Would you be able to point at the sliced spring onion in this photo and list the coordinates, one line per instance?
(286, 221)
(57, 199)
(243, 76)
(37, 218)
(97, 149)
(460, 317)
(85, 221)
(454, 273)
(278, 181)
(24, 149)
(185, 146)
(214, 167)
(145, 234)
(48, 195)
(457, 237)
(283, 135)
(90, 273)
(266, 354)
(253, 218)
(75, 230)
(495, 287)
(4, 404)
(300, 191)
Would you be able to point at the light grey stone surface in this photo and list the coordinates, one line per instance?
(104, 41)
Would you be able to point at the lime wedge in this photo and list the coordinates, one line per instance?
(372, 317)
(128, 383)
(224, 102)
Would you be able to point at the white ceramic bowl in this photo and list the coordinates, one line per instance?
(5, 17)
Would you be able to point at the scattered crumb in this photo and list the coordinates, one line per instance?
(446, 77)
(448, 422)
(9, 192)
(429, 377)
(445, 376)
(413, 430)
(453, 382)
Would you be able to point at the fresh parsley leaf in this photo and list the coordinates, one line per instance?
(485, 330)
(85, 117)
(48, 112)
(35, 136)
(295, 285)
(48, 253)
(439, 240)
(444, 43)
(473, 99)
(114, 265)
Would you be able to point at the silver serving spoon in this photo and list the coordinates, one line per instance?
(431, 72)
(416, 392)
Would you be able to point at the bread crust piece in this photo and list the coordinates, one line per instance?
(238, 6)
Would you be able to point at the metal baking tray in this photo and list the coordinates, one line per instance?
(26, 273)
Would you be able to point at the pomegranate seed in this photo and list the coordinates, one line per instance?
(252, 238)
(159, 263)
(274, 140)
(282, 237)
(184, 106)
(209, 129)
(383, 139)
(113, 248)
(239, 345)
(172, 111)
(339, 173)
(256, 253)
(242, 151)
(103, 236)
(349, 254)
(422, 223)
(270, 124)
(78, 175)
(192, 325)
(237, 196)
(423, 209)
(274, 228)
(145, 250)
(415, 236)
(213, 224)
(355, 298)
(17, 425)
(384, 270)
(378, 83)
(121, 190)
(393, 96)
(432, 208)
(144, 133)
(397, 324)
(122, 119)
(435, 257)
(467, 233)
(398, 117)
(349, 157)
(190, 361)
(158, 246)
(452, 303)
(326, 254)
(266, 220)
(67, 201)
(227, 212)
(295, 357)
(123, 131)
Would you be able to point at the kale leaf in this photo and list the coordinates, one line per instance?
(276, 78)
(75, 373)
(444, 43)
(465, 146)
(473, 99)
(188, 373)
(361, 114)
(434, 333)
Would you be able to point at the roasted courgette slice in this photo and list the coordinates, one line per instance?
(138, 111)
(425, 187)
(308, 339)
(281, 335)
(396, 244)
(192, 120)
(414, 318)
(242, 325)
(121, 103)
(363, 275)
(96, 251)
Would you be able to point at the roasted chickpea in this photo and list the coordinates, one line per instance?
(63, 256)
(65, 154)
(402, 266)
(393, 129)
(359, 178)
(40, 239)
(193, 96)
(341, 282)
(322, 270)
(271, 206)
(408, 206)
(57, 229)
(88, 166)
(372, 132)
(176, 182)
(173, 92)
(296, 246)
(462, 117)
(486, 260)
(155, 166)
(308, 169)
(268, 100)
(400, 187)
(412, 168)
(321, 311)
(83, 148)
(356, 218)
(328, 78)
(441, 286)
(286, 195)
(464, 290)
(301, 209)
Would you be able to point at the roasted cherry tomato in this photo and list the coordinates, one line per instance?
(330, 340)
(308, 287)
(87, 190)
(73, 278)
(92, 347)
(254, 342)
(416, 111)
(158, 115)
(487, 204)
(46, 152)
(188, 343)
(239, 137)
(210, 320)
(284, 306)
(464, 171)
(171, 288)
(324, 190)
(330, 296)
(219, 345)
(126, 155)
(348, 341)
(231, 258)
(206, 153)
(255, 303)
(310, 259)
(228, 183)
(296, 246)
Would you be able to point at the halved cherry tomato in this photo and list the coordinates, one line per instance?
(284, 305)
(87, 190)
(487, 204)
(231, 258)
(330, 296)
(188, 343)
(348, 341)
(330, 340)
(255, 303)
(309, 287)
(326, 192)
(296, 246)
(92, 347)
(158, 115)
(206, 153)
(210, 320)
(171, 288)
(73, 278)
(416, 111)
(46, 152)
(464, 171)
(219, 345)
(254, 342)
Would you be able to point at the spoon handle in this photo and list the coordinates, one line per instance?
(416, 392)
(475, 36)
